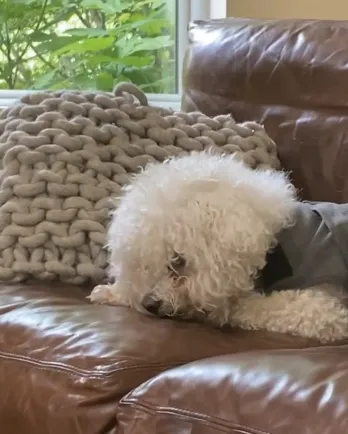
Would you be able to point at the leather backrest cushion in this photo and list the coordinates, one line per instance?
(290, 75)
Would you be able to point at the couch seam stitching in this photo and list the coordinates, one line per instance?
(149, 407)
(70, 369)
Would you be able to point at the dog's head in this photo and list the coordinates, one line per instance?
(189, 235)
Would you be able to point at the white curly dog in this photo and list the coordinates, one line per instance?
(205, 237)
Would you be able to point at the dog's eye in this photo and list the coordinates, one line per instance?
(177, 263)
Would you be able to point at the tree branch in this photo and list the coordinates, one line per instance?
(22, 54)
(7, 53)
(83, 20)
(41, 57)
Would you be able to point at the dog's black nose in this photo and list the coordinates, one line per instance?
(151, 305)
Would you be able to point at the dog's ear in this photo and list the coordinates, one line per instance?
(272, 197)
(260, 206)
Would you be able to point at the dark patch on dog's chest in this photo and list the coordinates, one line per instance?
(276, 269)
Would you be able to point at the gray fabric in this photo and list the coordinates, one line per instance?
(316, 246)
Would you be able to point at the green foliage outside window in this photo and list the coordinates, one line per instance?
(87, 44)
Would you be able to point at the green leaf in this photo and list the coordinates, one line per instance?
(135, 61)
(82, 82)
(39, 36)
(105, 82)
(61, 84)
(135, 23)
(23, 2)
(154, 4)
(92, 4)
(124, 17)
(131, 46)
(88, 32)
(108, 7)
(45, 80)
(100, 59)
(56, 43)
(90, 44)
(154, 26)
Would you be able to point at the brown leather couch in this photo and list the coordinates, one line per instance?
(68, 367)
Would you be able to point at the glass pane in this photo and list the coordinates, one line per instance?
(88, 44)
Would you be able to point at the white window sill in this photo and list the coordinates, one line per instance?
(10, 97)
(167, 101)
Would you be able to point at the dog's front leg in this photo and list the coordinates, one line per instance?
(109, 294)
(316, 313)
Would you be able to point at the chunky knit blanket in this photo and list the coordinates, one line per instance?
(65, 155)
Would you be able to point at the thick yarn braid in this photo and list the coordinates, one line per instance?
(64, 155)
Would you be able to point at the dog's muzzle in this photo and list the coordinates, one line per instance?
(151, 305)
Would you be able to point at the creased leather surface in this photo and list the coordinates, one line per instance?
(64, 363)
(284, 392)
(289, 75)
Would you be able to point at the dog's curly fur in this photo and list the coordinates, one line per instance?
(192, 234)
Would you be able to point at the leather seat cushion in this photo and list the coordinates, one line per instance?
(297, 391)
(65, 363)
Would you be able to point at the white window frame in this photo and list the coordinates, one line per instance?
(188, 10)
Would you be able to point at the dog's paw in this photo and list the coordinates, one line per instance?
(101, 294)
(330, 327)
(106, 294)
(323, 317)
(310, 313)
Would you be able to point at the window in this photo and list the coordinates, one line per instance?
(93, 44)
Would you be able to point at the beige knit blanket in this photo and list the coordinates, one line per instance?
(65, 155)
